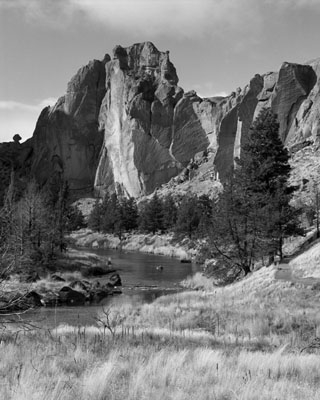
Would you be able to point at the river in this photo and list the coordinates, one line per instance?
(142, 281)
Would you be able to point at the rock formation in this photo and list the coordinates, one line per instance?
(151, 128)
(124, 123)
(67, 139)
(14, 157)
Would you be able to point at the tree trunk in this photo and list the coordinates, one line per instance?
(280, 247)
(246, 269)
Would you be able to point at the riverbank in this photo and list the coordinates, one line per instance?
(86, 277)
(78, 278)
(252, 340)
(165, 245)
(255, 339)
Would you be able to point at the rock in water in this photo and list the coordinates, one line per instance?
(71, 297)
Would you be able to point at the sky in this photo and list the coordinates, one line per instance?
(215, 45)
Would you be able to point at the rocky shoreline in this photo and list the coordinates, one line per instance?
(164, 245)
(80, 279)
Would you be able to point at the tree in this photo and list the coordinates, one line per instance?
(75, 219)
(188, 216)
(283, 219)
(151, 215)
(237, 228)
(94, 221)
(109, 213)
(60, 214)
(129, 213)
(114, 215)
(29, 231)
(205, 208)
(169, 213)
(253, 214)
(264, 159)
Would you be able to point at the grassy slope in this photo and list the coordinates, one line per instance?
(245, 341)
(308, 263)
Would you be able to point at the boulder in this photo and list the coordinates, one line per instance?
(33, 299)
(57, 278)
(101, 293)
(114, 280)
(50, 299)
(83, 285)
(32, 277)
(71, 297)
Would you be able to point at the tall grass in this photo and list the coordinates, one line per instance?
(247, 341)
(308, 263)
(72, 368)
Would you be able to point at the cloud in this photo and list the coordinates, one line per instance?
(10, 105)
(308, 4)
(243, 19)
(207, 89)
(17, 117)
(185, 18)
(49, 13)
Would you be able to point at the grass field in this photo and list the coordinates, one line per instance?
(255, 339)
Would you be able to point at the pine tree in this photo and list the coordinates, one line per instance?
(238, 222)
(129, 213)
(266, 163)
(253, 215)
(109, 209)
(188, 217)
(75, 219)
(61, 210)
(94, 221)
(205, 205)
(264, 160)
(151, 215)
(106, 220)
(169, 213)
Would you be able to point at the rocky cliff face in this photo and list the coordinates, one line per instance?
(292, 93)
(18, 158)
(125, 124)
(151, 128)
(67, 139)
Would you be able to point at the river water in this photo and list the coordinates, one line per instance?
(142, 278)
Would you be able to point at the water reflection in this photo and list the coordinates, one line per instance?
(142, 282)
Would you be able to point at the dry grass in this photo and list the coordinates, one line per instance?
(308, 263)
(246, 341)
(199, 282)
(98, 367)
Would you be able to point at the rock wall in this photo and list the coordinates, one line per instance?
(151, 128)
(124, 123)
(293, 93)
(67, 139)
